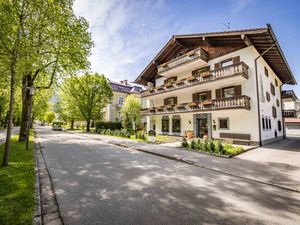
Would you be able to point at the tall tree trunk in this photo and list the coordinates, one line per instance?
(88, 121)
(72, 124)
(10, 115)
(27, 82)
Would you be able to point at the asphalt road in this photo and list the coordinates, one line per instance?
(97, 183)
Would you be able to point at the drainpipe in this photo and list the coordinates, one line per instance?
(257, 91)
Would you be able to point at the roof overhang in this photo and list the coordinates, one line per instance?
(262, 39)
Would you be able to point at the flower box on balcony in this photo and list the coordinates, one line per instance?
(205, 74)
(191, 78)
(207, 102)
(164, 65)
(190, 53)
(170, 107)
(193, 104)
(170, 85)
(151, 90)
(152, 109)
(160, 88)
(180, 82)
(161, 108)
(180, 106)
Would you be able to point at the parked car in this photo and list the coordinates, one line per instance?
(56, 126)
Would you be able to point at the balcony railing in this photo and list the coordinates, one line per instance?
(289, 113)
(238, 102)
(238, 69)
(188, 57)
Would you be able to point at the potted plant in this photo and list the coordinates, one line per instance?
(189, 134)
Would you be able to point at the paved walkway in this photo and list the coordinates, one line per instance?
(274, 164)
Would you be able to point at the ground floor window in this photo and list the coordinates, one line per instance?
(279, 125)
(165, 124)
(224, 123)
(176, 124)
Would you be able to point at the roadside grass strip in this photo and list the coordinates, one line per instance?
(17, 184)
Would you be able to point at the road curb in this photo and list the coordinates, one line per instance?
(48, 209)
(190, 162)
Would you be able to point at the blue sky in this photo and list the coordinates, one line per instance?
(129, 33)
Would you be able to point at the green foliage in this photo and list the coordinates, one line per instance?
(108, 125)
(120, 133)
(131, 112)
(17, 185)
(49, 117)
(212, 146)
(184, 143)
(87, 94)
(141, 135)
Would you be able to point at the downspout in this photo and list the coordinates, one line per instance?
(257, 91)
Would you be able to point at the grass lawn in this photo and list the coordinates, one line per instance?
(17, 185)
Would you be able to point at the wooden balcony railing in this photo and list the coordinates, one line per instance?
(238, 69)
(289, 113)
(238, 102)
(188, 57)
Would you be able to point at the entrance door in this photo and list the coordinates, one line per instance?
(202, 127)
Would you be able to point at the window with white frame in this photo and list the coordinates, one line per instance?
(224, 123)
(121, 101)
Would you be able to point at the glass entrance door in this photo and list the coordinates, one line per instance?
(202, 127)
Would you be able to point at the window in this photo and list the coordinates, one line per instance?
(171, 101)
(277, 103)
(272, 89)
(227, 62)
(170, 80)
(270, 124)
(267, 124)
(263, 123)
(165, 124)
(223, 123)
(279, 125)
(276, 83)
(228, 92)
(274, 112)
(121, 101)
(176, 124)
(268, 96)
(266, 72)
(202, 97)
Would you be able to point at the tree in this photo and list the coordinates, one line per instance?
(131, 112)
(57, 43)
(89, 93)
(49, 117)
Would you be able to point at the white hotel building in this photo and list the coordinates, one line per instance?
(226, 85)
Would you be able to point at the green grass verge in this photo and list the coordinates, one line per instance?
(17, 185)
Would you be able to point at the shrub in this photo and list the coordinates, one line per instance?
(184, 143)
(193, 144)
(108, 125)
(218, 147)
(205, 146)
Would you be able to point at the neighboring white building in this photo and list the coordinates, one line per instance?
(291, 112)
(226, 85)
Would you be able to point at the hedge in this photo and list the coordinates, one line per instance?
(108, 125)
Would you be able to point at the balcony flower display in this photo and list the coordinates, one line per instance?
(151, 90)
(152, 109)
(180, 106)
(193, 104)
(205, 74)
(161, 108)
(180, 82)
(191, 78)
(159, 88)
(170, 107)
(189, 134)
(170, 85)
(207, 102)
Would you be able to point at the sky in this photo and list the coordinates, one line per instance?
(129, 33)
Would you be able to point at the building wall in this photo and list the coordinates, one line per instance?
(241, 121)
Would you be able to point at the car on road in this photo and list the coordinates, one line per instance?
(56, 126)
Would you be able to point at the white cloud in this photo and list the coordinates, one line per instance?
(127, 34)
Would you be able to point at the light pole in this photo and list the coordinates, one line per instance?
(31, 93)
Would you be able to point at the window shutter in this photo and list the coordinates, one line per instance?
(218, 93)
(208, 94)
(175, 100)
(236, 59)
(195, 97)
(165, 101)
(217, 65)
(238, 90)
(274, 112)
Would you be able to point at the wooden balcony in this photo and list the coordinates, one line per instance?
(289, 113)
(192, 56)
(238, 102)
(238, 69)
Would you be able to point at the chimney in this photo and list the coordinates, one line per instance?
(121, 82)
(125, 82)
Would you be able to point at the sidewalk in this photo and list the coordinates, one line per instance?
(280, 174)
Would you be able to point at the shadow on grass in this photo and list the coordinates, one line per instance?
(17, 185)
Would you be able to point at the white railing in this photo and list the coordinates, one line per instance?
(190, 56)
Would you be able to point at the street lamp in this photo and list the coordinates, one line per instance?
(31, 93)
